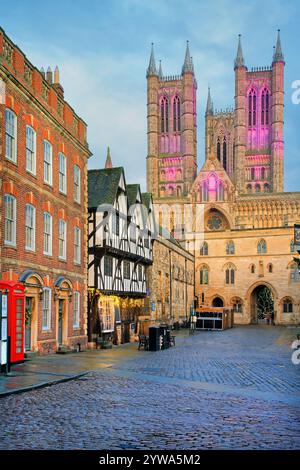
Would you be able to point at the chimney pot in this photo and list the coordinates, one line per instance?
(49, 75)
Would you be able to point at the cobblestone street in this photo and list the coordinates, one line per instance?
(236, 389)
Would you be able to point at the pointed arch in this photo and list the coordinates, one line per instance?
(265, 103)
(262, 247)
(204, 249)
(176, 114)
(225, 153)
(164, 114)
(230, 248)
(252, 107)
(218, 149)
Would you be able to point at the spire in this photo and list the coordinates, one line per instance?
(151, 70)
(108, 163)
(278, 55)
(160, 72)
(209, 104)
(188, 63)
(239, 60)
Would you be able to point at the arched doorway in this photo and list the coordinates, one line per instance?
(63, 296)
(217, 302)
(33, 284)
(262, 305)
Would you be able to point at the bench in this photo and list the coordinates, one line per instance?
(143, 342)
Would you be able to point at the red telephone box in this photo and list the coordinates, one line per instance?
(16, 317)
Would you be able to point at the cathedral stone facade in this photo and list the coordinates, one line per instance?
(234, 214)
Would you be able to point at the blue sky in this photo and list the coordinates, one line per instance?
(102, 49)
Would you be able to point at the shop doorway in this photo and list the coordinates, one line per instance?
(29, 307)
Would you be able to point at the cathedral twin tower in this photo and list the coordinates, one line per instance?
(247, 141)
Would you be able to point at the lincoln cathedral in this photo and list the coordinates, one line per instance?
(245, 254)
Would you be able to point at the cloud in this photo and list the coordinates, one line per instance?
(103, 51)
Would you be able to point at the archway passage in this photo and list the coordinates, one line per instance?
(218, 302)
(262, 305)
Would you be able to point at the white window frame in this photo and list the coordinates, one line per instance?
(48, 164)
(77, 246)
(9, 198)
(62, 240)
(62, 173)
(48, 234)
(31, 151)
(76, 309)
(77, 184)
(46, 326)
(30, 227)
(11, 135)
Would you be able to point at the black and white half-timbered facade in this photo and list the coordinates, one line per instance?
(121, 227)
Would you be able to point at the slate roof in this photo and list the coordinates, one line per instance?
(132, 190)
(103, 185)
(146, 198)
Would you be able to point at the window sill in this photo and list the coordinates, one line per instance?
(30, 250)
(48, 255)
(31, 173)
(62, 193)
(50, 185)
(10, 245)
(63, 260)
(77, 264)
(11, 161)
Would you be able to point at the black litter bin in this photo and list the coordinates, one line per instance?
(154, 338)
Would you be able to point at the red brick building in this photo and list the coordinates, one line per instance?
(43, 185)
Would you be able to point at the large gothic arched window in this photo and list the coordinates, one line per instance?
(252, 108)
(218, 149)
(164, 113)
(176, 114)
(225, 153)
(265, 107)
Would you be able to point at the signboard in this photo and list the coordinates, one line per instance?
(3, 329)
(297, 235)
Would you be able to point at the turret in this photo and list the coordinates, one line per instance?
(189, 126)
(277, 114)
(240, 118)
(208, 125)
(152, 125)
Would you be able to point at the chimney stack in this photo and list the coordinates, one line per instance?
(49, 76)
(42, 71)
(56, 84)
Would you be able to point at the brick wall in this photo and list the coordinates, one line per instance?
(67, 133)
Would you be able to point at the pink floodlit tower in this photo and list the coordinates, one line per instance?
(172, 130)
(258, 124)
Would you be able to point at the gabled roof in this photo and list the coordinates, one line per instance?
(146, 199)
(213, 165)
(103, 185)
(132, 193)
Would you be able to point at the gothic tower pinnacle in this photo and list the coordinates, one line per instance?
(152, 66)
(239, 60)
(278, 55)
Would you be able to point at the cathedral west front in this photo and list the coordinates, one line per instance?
(244, 250)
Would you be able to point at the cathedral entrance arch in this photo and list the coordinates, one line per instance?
(218, 302)
(262, 304)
